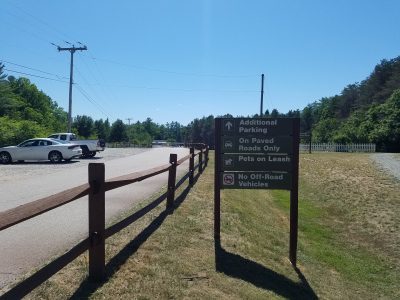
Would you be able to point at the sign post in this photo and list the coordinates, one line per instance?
(258, 153)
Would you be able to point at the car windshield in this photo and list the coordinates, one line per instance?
(28, 143)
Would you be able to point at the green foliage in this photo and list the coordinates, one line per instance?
(325, 129)
(201, 131)
(83, 126)
(102, 129)
(362, 113)
(365, 112)
(13, 132)
(25, 111)
(118, 132)
(138, 134)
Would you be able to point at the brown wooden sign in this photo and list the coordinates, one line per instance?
(258, 153)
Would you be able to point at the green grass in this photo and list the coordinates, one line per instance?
(348, 243)
(320, 241)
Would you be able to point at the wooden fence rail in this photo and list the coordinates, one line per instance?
(95, 189)
(327, 147)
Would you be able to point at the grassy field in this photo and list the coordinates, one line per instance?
(349, 241)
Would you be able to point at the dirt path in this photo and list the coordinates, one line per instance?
(388, 162)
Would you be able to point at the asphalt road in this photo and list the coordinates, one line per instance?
(29, 244)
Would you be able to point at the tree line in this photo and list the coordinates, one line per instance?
(365, 112)
(27, 112)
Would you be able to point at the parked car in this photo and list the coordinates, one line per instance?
(89, 147)
(40, 149)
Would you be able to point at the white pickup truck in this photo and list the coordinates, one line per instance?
(89, 147)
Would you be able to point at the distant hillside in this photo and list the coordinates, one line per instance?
(25, 111)
(364, 112)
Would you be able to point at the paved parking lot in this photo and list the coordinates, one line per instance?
(21, 171)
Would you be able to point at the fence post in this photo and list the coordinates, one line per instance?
(206, 157)
(201, 161)
(171, 181)
(191, 166)
(96, 222)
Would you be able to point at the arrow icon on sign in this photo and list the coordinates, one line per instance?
(228, 125)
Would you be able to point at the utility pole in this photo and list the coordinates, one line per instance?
(72, 51)
(262, 95)
(129, 120)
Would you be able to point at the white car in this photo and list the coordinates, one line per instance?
(40, 149)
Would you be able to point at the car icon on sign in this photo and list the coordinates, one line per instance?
(228, 144)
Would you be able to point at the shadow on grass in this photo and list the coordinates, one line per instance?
(236, 266)
(87, 288)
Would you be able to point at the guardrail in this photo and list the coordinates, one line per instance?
(95, 189)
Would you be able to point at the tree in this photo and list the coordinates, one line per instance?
(306, 119)
(84, 126)
(118, 132)
(102, 129)
(274, 113)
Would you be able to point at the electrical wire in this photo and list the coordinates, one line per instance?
(100, 73)
(43, 23)
(33, 69)
(182, 90)
(106, 93)
(28, 74)
(86, 95)
(93, 90)
(174, 72)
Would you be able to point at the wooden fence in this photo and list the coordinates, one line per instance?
(95, 189)
(338, 147)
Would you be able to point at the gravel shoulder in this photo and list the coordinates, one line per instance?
(388, 162)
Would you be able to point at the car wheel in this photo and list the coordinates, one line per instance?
(55, 156)
(5, 157)
(85, 151)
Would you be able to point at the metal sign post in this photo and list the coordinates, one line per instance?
(258, 153)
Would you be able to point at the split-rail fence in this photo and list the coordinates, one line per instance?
(95, 189)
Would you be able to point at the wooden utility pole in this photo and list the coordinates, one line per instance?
(72, 51)
(262, 95)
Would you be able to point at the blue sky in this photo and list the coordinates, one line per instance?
(180, 60)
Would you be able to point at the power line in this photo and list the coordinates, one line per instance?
(174, 72)
(33, 69)
(99, 106)
(43, 23)
(28, 74)
(183, 90)
(86, 95)
(103, 93)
